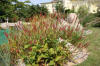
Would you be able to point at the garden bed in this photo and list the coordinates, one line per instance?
(40, 44)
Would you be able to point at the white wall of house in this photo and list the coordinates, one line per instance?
(49, 6)
(69, 5)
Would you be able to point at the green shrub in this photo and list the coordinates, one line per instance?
(96, 25)
(5, 55)
(83, 11)
(67, 11)
(59, 7)
(96, 22)
(98, 12)
(87, 19)
(40, 44)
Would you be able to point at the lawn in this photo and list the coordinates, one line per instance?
(94, 49)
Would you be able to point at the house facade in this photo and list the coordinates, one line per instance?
(50, 6)
(67, 4)
(77, 4)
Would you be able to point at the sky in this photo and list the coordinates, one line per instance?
(37, 1)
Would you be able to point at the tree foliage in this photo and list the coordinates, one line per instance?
(59, 7)
(83, 11)
(16, 10)
(36, 9)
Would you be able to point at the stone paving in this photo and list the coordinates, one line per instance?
(79, 55)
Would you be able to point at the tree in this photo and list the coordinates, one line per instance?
(13, 9)
(22, 9)
(16, 10)
(6, 8)
(59, 7)
(36, 9)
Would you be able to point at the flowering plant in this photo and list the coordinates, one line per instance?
(38, 44)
